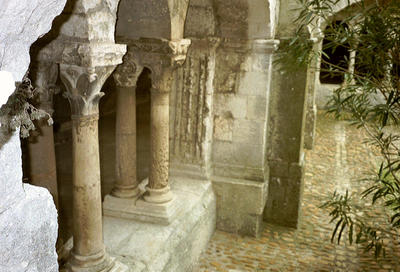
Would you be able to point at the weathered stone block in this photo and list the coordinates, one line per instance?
(256, 108)
(254, 83)
(257, 63)
(227, 71)
(223, 127)
(200, 21)
(234, 104)
(284, 197)
(240, 204)
(244, 154)
(240, 172)
(249, 132)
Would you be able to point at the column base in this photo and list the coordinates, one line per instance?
(97, 263)
(125, 192)
(140, 209)
(158, 196)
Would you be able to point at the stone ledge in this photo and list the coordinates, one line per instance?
(152, 247)
(140, 210)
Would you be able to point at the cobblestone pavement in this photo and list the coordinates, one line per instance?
(338, 158)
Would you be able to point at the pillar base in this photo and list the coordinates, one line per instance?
(158, 196)
(100, 263)
(125, 192)
(140, 209)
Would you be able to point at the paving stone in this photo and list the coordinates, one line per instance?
(308, 248)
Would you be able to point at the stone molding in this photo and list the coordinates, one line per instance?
(83, 86)
(127, 73)
(260, 46)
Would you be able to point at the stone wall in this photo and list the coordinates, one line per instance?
(241, 100)
(28, 218)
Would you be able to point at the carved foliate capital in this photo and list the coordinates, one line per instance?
(44, 76)
(83, 86)
(127, 73)
(162, 57)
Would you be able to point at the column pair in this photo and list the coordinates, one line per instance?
(156, 204)
(83, 78)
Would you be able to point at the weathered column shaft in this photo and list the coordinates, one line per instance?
(125, 77)
(163, 62)
(84, 92)
(87, 227)
(126, 184)
(159, 140)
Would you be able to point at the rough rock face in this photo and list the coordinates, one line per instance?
(29, 233)
(28, 218)
(22, 22)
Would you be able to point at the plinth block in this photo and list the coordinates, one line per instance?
(137, 208)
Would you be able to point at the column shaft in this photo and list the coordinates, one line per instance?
(87, 228)
(126, 184)
(158, 187)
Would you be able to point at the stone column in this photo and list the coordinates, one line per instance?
(162, 57)
(42, 159)
(163, 67)
(126, 75)
(311, 86)
(352, 66)
(83, 81)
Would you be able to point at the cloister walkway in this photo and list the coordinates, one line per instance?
(338, 159)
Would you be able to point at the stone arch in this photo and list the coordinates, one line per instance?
(248, 19)
(152, 19)
(341, 11)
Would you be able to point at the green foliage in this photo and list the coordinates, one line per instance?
(369, 97)
(18, 112)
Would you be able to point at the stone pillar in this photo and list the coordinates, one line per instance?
(162, 64)
(311, 85)
(352, 66)
(84, 78)
(162, 57)
(42, 159)
(158, 190)
(126, 75)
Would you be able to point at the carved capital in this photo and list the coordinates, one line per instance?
(127, 73)
(179, 50)
(44, 76)
(150, 52)
(83, 86)
(162, 57)
(93, 54)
